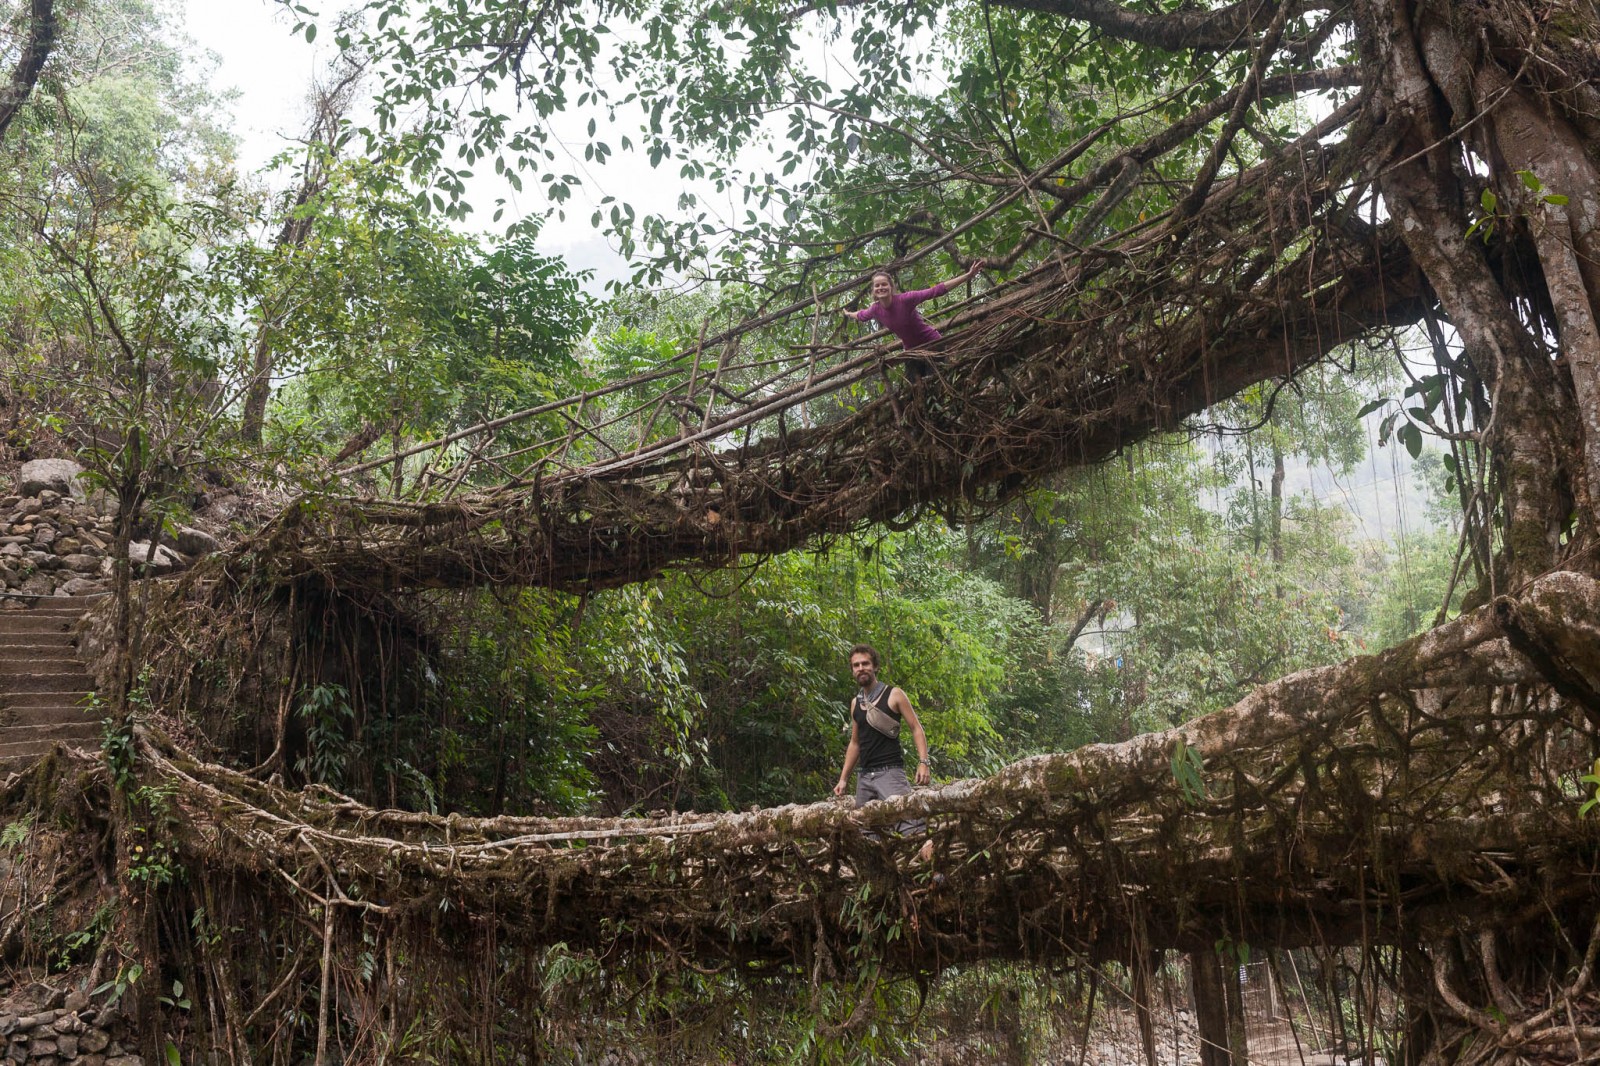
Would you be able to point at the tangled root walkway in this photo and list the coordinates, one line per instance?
(1421, 790)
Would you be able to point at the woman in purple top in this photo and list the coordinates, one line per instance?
(897, 313)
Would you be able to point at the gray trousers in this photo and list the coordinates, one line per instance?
(874, 785)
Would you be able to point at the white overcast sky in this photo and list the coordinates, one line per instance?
(271, 70)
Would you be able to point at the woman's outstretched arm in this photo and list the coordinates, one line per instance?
(972, 272)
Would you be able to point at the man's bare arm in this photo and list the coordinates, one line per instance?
(851, 754)
(898, 701)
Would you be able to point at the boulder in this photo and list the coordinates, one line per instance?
(104, 505)
(193, 541)
(80, 563)
(163, 561)
(94, 1040)
(81, 586)
(56, 475)
(37, 585)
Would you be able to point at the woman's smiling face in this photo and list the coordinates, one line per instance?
(882, 287)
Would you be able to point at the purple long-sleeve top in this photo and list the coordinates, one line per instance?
(901, 317)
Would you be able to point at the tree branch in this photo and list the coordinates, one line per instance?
(1183, 30)
(41, 37)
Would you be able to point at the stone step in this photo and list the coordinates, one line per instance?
(39, 681)
(62, 603)
(44, 688)
(49, 733)
(61, 698)
(36, 715)
(41, 660)
(66, 700)
(53, 605)
(30, 622)
(20, 754)
(29, 644)
(61, 705)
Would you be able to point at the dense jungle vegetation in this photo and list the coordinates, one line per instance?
(259, 329)
(219, 345)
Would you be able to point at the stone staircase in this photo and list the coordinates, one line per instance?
(43, 685)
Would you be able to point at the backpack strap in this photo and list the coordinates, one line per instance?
(880, 720)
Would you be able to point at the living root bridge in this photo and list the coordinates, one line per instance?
(1060, 367)
(1391, 798)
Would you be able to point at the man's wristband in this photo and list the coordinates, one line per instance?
(922, 762)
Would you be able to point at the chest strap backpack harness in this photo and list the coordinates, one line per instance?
(879, 719)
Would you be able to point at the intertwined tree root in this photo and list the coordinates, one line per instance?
(1421, 803)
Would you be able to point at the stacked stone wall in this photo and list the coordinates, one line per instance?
(56, 536)
(72, 1030)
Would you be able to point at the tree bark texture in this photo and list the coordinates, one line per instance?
(1486, 71)
(1417, 797)
(1385, 759)
(1216, 997)
(41, 38)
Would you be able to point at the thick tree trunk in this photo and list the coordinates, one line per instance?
(1218, 1010)
(1145, 966)
(1503, 294)
(330, 105)
(42, 30)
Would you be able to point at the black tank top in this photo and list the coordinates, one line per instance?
(878, 751)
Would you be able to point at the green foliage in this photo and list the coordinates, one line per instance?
(745, 675)
(689, 87)
(15, 833)
(78, 944)
(1188, 770)
(151, 858)
(1179, 613)
(513, 708)
(128, 976)
(1233, 952)
(327, 714)
(117, 745)
(1592, 779)
(125, 97)
(391, 321)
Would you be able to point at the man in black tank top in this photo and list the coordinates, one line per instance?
(876, 715)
